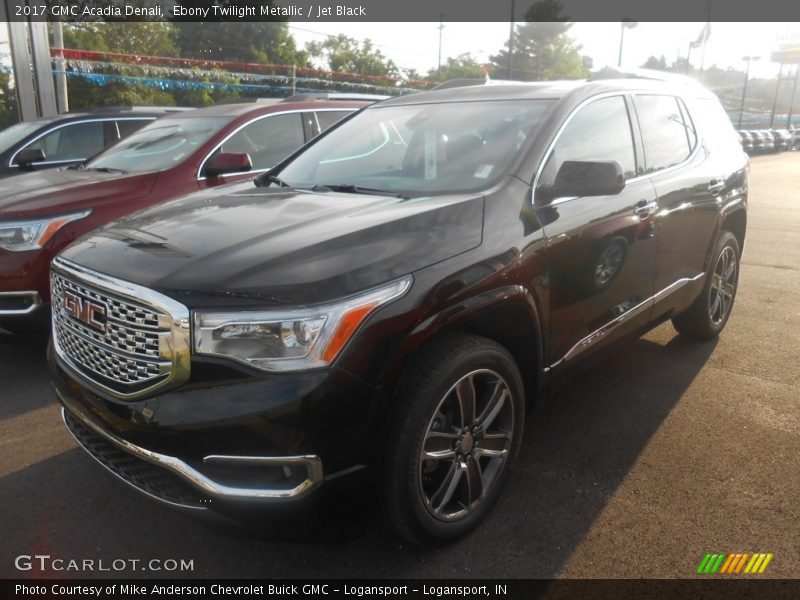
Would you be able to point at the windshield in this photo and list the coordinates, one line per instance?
(423, 149)
(15, 133)
(158, 146)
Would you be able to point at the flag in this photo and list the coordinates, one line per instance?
(703, 37)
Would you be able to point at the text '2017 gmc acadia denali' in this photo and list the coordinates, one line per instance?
(389, 296)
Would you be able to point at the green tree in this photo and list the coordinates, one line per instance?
(147, 38)
(542, 50)
(245, 41)
(659, 64)
(463, 66)
(345, 54)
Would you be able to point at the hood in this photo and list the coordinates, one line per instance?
(269, 246)
(54, 191)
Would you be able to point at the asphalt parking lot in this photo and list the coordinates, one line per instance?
(659, 453)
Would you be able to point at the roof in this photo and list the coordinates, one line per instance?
(549, 90)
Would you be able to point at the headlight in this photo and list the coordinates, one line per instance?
(32, 235)
(290, 340)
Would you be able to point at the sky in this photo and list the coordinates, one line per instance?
(728, 42)
(416, 45)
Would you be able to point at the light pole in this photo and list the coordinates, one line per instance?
(623, 25)
(511, 41)
(749, 59)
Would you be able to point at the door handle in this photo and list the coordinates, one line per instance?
(645, 208)
(715, 187)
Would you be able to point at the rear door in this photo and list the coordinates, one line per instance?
(600, 249)
(690, 183)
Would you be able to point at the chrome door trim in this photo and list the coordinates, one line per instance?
(250, 122)
(601, 96)
(602, 332)
(61, 126)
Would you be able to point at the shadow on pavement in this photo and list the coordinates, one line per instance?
(578, 448)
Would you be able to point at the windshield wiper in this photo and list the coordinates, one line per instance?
(105, 170)
(349, 188)
(265, 179)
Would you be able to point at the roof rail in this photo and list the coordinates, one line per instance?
(454, 83)
(336, 96)
(106, 109)
(611, 72)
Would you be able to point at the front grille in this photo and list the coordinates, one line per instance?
(149, 478)
(124, 346)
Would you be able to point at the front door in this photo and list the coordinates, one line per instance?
(601, 250)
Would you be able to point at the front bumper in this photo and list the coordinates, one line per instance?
(225, 441)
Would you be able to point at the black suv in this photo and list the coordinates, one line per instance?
(69, 138)
(391, 295)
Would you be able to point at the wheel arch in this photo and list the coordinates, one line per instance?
(508, 316)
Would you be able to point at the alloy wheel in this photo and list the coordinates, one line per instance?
(466, 445)
(723, 286)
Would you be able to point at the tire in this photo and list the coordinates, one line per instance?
(440, 499)
(709, 313)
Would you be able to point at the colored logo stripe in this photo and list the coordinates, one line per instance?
(734, 564)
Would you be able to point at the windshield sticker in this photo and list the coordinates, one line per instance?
(430, 154)
(484, 171)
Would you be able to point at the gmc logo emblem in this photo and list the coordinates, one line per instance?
(84, 310)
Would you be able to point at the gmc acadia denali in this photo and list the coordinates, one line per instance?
(391, 295)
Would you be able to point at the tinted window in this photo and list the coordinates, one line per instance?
(599, 131)
(268, 140)
(72, 142)
(326, 118)
(162, 144)
(664, 133)
(15, 133)
(424, 149)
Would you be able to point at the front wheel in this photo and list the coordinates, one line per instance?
(456, 432)
(709, 314)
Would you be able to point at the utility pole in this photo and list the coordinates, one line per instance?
(794, 89)
(511, 40)
(441, 28)
(744, 89)
(62, 100)
(775, 99)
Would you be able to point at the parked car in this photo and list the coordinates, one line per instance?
(41, 213)
(746, 140)
(795, 138)
(69, 138)
(392, 295)
(762, 143)
(783, 139)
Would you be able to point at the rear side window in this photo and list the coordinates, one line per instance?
(666, 137)
(268, 140)
(599, 131)
(327, 118)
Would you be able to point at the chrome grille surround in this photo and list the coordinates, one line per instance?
(146, 342)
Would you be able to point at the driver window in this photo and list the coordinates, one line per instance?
(268, 140)
(599, 131)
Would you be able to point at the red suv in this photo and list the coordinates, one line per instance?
(42, 212)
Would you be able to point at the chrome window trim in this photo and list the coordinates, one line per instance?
(312, 464)
(180, 326)
(585, 103)
(200, 177)
(602, 332)
(61, 126)
(35, 305)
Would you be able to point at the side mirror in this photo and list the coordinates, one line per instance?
(27, 157)
(587, 178)
(228, 162)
